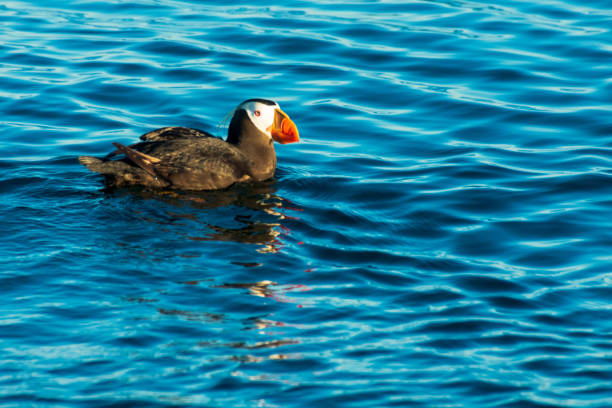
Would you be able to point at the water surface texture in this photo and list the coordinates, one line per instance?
(441, 237)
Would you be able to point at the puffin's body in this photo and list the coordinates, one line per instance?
(190, 159)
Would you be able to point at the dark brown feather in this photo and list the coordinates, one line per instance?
(144, 161)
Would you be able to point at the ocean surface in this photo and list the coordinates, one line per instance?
(440, 237)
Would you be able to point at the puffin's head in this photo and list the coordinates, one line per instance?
(269, 119)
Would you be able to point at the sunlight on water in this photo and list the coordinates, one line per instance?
(440, 236)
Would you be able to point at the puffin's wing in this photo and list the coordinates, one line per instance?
(173, 132)
(210, 164)
(163, 135)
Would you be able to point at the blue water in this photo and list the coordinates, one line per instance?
(440, 237)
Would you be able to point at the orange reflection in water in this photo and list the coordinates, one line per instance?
(267, 289)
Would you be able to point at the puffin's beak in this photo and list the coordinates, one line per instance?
(283, 130)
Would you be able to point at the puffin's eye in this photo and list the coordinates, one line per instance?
(257, 113)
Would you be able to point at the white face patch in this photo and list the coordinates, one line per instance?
(261, 115)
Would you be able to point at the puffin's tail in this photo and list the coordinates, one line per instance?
(106, 167)
(93, 163)
(118, 172)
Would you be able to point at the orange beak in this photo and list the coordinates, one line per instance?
(283, 130)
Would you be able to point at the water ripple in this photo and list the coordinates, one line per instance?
(440, 231)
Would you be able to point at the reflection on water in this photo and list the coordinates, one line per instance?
(255, 346)
(262, 345)
(455, 184)
(253, 232)
(255, 195)
(193, 316)
(261, 289)
(268, 289)
(261, 324)
(257, 216)
(247, 358)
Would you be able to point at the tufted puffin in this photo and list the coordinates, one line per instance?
(191, 159)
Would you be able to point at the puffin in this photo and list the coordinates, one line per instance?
(191, 159)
